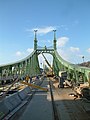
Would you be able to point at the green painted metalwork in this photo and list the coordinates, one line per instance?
(74, 70)
(30, 64)
(35, 40)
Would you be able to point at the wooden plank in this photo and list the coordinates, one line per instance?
(34, 86)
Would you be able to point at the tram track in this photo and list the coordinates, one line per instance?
(55, 112)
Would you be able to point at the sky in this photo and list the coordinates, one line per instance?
(19, 19)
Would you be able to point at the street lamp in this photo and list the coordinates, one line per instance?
(83, 58)
(41, 65)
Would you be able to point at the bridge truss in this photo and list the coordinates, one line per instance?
(30, 65)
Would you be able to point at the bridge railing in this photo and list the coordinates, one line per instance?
(28, 65)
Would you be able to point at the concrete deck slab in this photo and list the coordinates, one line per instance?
(40, 107)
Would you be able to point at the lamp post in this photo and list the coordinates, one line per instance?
(83, 58)
(41, 65)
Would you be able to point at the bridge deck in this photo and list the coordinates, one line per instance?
(40, 107)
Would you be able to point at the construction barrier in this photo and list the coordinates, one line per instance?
(22, 94)
(8, 104)
(12, 101)
(27, 90)
(3, 110)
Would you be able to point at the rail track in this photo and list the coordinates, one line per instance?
(55, 112)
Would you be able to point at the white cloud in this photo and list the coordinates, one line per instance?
(74, 49)
(70, 56)
(30, 50)
(43, 30)
(80, 55)
(88, 50)
(63, 54)
(18, 53)
(25, 53)
(62, 41)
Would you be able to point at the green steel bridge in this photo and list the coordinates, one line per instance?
(30, 65)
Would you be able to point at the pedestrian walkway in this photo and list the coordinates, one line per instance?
(40, 107)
